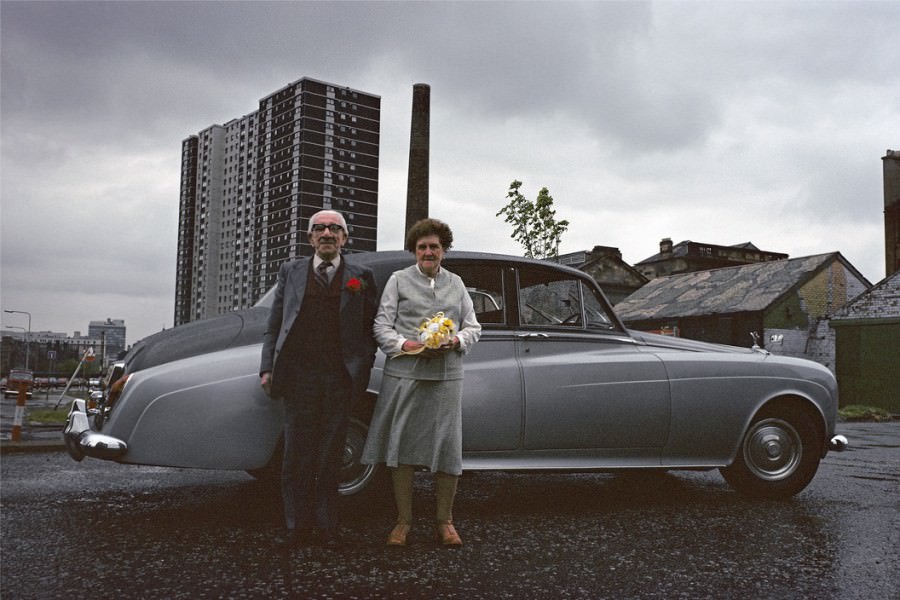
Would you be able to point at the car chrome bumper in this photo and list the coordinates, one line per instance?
(838, 443)
(83, 441)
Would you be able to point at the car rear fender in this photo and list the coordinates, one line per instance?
(222, 424)
(200, 412)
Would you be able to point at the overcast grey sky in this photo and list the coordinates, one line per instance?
(720, 122)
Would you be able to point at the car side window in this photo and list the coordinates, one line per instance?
(485, 286)
(597, 317)
(549, 298)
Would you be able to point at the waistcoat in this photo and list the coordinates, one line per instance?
(316, 332)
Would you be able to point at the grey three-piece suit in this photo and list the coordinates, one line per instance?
(319, 348)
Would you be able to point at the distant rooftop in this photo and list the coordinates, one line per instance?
(882, 301)
(743, 288)
(668, 250)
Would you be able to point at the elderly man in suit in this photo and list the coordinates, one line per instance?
(317, 353)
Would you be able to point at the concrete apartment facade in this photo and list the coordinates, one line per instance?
(249, 187)
(111, 333)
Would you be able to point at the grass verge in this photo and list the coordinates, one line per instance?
(49, 415)
(860, 412)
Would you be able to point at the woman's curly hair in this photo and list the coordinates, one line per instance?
(426, 227)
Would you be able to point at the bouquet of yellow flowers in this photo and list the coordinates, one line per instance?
(437, 331)
(433, 333)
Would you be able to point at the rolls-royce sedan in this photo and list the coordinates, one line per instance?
(556, 383)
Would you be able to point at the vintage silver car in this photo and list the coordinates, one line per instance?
(556, 383)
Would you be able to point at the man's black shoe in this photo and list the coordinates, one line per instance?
(329, 538)
(294, 538)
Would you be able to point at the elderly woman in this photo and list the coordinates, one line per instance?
(418, 417)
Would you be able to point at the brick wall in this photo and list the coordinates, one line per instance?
(816, 343)
(820, 298)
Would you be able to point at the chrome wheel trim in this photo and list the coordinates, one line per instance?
(772, 449)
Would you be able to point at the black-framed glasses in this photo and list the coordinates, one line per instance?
(333, 228)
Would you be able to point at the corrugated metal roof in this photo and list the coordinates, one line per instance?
(745, 288)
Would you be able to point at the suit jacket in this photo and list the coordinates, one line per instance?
(357, 312)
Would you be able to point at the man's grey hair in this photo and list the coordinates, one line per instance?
(334, 213)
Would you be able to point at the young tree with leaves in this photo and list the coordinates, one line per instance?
(534, 223)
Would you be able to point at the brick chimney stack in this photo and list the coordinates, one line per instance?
(601, 251)
(665, 247)
(419, 137)
(891, 166)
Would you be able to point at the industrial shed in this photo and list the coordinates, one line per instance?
(787, 303)
(867, 347)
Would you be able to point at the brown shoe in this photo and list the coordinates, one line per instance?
(398, 534)
(446, 534)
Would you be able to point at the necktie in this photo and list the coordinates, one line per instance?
(322, 273)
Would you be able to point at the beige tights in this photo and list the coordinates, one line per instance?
(445, 490)
(402, 476)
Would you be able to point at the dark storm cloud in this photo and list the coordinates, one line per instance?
(88, 62)
(643, 74)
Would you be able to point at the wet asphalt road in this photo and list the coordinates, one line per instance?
(100, 530)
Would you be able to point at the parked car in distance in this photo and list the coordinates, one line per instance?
(556, 383)
(16, 378)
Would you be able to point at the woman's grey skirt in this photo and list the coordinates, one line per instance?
(417, 422)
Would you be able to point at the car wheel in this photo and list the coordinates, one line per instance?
(355, 476)
(778, 456)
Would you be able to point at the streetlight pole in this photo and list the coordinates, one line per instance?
(27, 335)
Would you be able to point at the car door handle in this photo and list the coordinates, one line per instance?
(532, 335)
